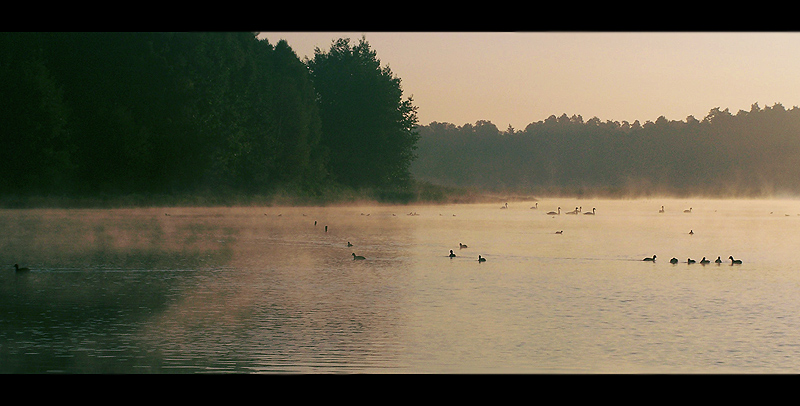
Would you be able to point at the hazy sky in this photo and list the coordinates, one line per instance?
(521, 77)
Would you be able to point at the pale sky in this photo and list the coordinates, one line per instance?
(518, 78)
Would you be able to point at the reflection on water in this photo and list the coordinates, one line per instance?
(276, 290)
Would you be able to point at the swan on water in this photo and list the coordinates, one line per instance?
(552, 213)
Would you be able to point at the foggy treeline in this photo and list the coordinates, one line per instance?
(750, 153)
(182, 113)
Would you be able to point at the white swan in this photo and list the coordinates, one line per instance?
(552, 213)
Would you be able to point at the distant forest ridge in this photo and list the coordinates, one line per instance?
(753, 153)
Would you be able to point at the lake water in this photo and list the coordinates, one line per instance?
(270, 290)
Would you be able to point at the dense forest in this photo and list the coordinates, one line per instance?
(747, 154)
(213, 114)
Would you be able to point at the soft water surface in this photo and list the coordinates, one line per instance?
(266, 290)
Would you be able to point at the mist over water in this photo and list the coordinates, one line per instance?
(270, 290)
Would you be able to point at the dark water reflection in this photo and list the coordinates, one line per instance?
(195, 290)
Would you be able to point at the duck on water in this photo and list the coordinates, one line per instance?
(23, 269)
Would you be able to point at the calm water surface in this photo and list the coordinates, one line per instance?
(269, 290)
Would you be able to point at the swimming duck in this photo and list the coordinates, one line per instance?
(460, 245)
(349, 245)
(18, 269)
(560, 232)
(734, 261)
(573, 212)
(355, 257)
(690, 261)
(688, 211)
(452, 254)
(591, 213)
(691, 232)
(662, 209)
(718, 260)
(481, 259)
(704, 261)
(673, 260)
(535, 206)
(650, 259)
(552, 213)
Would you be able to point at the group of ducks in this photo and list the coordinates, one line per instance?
(462, 246)
(702, 261)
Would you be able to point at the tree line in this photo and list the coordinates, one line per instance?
(180, 113)
(750, 153)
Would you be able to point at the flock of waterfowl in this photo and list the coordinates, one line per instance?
(703, 261)
(577, 210)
